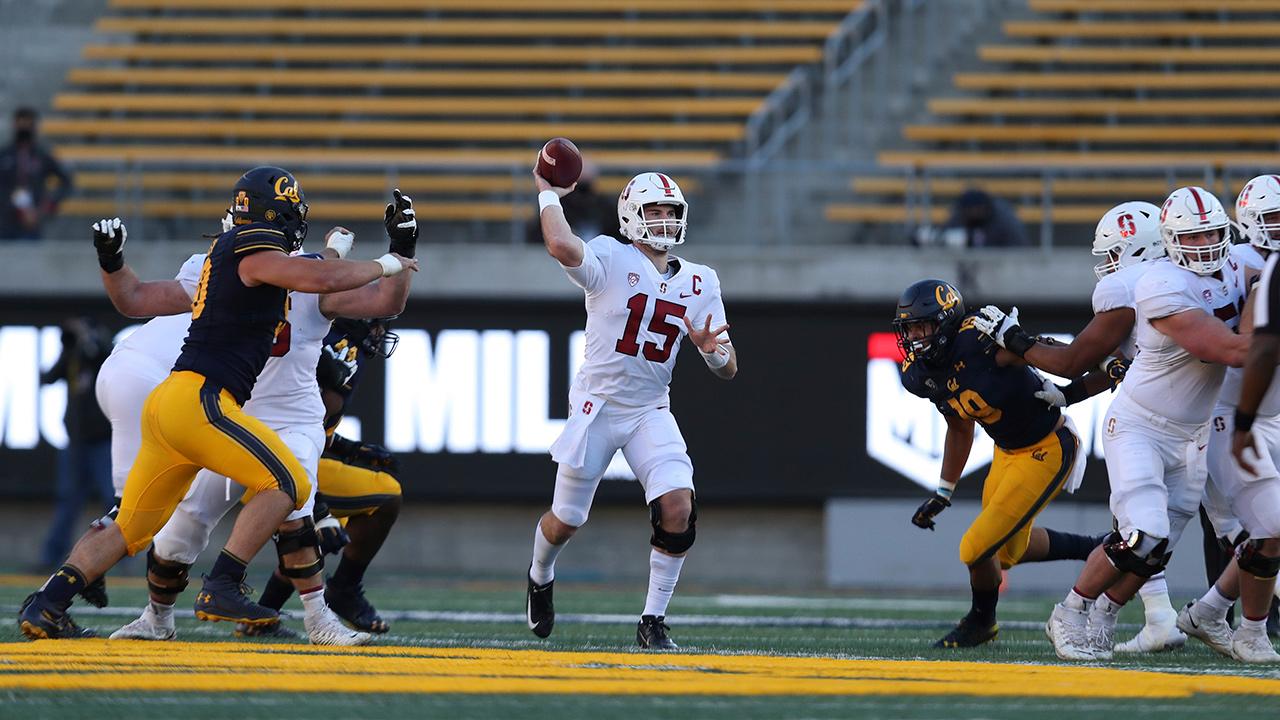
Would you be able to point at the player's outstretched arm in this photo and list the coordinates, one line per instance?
(382, 298)
(1204, 336)
(1259, 370)
(721, 358)
(1096, 341)
(131, 296)
(563, 245)
(270, 267)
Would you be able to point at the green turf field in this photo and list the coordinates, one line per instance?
(460, 650)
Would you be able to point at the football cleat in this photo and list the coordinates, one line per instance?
(42, 620)
(325, 628)
(1160, 634)
(222, 598)
(1253, 646)
(539, 608)
(275, 630)
(1100, 634)
(350, 605)
(1067, 629)
(95, 593)
(1214, 632)
(147, 627)
(966, 635)
(651, 633)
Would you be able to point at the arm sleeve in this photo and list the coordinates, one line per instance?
(190, 272)
(1267, 307)
(1110, 294)
(1163, 296)
(592, 273)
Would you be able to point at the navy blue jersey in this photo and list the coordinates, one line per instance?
(348, 350)
(233, 326)
(971, 385)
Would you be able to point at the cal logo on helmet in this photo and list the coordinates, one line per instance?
(946, 296)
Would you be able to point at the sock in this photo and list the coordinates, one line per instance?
(313, 601)
(1069, 546)
(1156, 586)
(1216, 603)
(1106, 604)
(349, 573)
(63, 585)
(276, 593)
(544, 557)
(1248, 623)
(664, 572)
(163, 613)
(983, 610)
(229, 566)
(1077, 600)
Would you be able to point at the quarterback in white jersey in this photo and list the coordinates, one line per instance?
(641, 302)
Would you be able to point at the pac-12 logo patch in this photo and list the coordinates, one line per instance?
(632, 279)
(1208, 294)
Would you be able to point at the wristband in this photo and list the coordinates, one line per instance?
(945, 488)
(1075, 392)
(390, 265)
(1244, 421)
(1018, 341)
(548, 198)
(341, 242)
(111, 263)
(715, 359)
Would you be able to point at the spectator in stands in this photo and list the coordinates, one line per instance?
(84, 465)
(983, 221)
(27, 169)
(588, 212)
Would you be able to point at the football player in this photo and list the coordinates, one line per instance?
(972, 381)
(1187, 310)
(641, 302)
(1127, 236)
(194, 418)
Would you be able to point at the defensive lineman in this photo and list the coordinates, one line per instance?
(641, 301)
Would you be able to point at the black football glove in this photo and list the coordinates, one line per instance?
(333, 537)
(401, 225)
(1115, 368)
(931, 507)
(108, 238)
(375, 456)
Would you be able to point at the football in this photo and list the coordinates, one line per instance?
(559, 162)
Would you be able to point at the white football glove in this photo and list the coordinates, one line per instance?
(1052, 394)
(992, 321)
(228, 223)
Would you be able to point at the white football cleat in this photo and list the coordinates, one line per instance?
(1160, 634)
(1100, 634)
(1214, 632)
(146, 627)
(327, 629)
(1067, 629)
(1253, 646)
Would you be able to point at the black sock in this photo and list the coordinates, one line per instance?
(64, 585)
(228, 565)
(983, 612)
(276, 593)
(349, 572)
(1069, 546)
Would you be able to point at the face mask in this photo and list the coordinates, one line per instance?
(24, 135)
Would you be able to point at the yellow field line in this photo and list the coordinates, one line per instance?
(230, 667)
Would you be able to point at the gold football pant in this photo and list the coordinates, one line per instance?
(349, 490)
(1020, 484)
(189, 423)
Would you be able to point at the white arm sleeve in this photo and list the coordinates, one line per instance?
(592, 273)
(1163, 296)
(189, 273)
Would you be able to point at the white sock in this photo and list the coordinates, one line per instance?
(1215, 602)
(1105, 605)
(664, 572)
(1076, 601)
(544, 557)
(1259, 626)
(1156, 586)
(313, 601)
(163, 613)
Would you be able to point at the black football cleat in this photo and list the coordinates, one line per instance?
(42, 620)
(651, 633)
(95, 593)
(349, 603)
(272, 630)
(223, 598)
(967, 635)
(539, 608)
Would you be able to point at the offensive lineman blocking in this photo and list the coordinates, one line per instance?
(620, 397)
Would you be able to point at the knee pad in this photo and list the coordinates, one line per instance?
(674, 543)
(1254, 562)
(1140, 553)
(178, 575)
(291, 541)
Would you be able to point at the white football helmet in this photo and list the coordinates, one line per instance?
(1194, 210)
(1127, 234)
(652, 189)
(1260, 197)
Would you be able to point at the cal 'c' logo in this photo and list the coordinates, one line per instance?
(1039, 454)
(952, 385)
(286, 190)
(945, 295)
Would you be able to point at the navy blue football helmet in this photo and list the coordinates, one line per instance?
(938, 308)
(271, 195)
